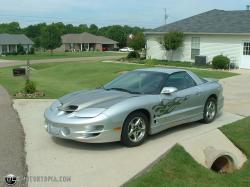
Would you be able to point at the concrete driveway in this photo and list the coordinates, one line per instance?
(90, 165)
(237, 93)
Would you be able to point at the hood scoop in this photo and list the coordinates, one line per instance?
(69, 108)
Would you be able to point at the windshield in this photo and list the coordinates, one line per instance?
(138, 82)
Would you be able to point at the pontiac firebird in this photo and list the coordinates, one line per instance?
(134, 105)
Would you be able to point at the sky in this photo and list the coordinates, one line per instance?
(143, 13)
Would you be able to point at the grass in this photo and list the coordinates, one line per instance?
(178, 168)
(171, 63)
(58, 79)
(48, 55)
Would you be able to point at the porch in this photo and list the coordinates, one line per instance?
(13, 48)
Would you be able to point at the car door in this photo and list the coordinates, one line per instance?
(182, 105)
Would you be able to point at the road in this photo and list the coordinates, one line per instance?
(8, 63)
(11, 140)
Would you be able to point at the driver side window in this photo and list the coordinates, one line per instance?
(180, 80)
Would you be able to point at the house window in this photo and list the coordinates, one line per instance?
(195, 47)
(4, 48)
(246, 50)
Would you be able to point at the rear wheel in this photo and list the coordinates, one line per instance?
(135, 129)
(210, 110)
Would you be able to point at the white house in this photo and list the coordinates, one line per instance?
(10, 42)
(208, 34)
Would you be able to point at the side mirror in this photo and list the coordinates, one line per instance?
(168, 90)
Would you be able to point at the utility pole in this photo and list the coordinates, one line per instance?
(165, 16)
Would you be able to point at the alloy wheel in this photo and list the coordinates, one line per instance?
(136, 129)
(211, 110)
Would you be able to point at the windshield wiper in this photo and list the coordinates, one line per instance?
(124, 90)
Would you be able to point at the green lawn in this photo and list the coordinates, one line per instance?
(170, 63)
(178, 168)
(48, 55)
(58, 79)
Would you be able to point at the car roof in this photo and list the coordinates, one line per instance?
(173, 70)
(162, 70)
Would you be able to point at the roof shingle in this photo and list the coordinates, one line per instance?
(214, 21)
(14, 39)
(86, 38)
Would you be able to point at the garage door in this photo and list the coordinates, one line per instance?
(245, 59)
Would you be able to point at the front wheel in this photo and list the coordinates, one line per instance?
(210, 110)
(135, 129)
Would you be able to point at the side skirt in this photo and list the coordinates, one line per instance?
(158, 128)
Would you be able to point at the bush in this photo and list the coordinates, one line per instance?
(133, 54)
(32, 51)
(11, 53)
(30, 87)
(221, 62)
(20, 50)
(151, 63)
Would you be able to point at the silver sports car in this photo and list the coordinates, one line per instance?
(134, 105)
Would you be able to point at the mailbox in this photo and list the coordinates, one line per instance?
(19, 72)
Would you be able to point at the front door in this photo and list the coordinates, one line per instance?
(245, 59)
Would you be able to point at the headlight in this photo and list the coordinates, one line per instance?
(89, 112)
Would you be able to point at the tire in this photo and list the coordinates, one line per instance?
(135, 129)
(210, 110)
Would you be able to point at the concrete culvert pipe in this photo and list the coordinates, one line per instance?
(223, 165)
(220, 161)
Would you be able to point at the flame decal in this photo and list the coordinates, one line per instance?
(168, 106)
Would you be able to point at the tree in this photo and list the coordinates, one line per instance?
(83, 28)
(34, 33)
(117, 33)
(50, 37)
(137, 42)
(173, 40)
(12, 28)
(93, 29)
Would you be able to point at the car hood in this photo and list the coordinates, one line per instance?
(98, 98)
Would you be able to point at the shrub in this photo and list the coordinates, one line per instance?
(20, 49)
(30, 87)
(133, 54)
(150, 63)
(32, 51)
(11, 53)
(221, 62)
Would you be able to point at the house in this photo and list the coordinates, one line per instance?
(208, 34)
(86, 42)
(9, 43)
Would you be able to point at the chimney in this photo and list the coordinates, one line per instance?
(248, 7)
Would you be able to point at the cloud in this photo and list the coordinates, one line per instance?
(147, 13)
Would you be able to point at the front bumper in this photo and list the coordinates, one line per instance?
(90, 130)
